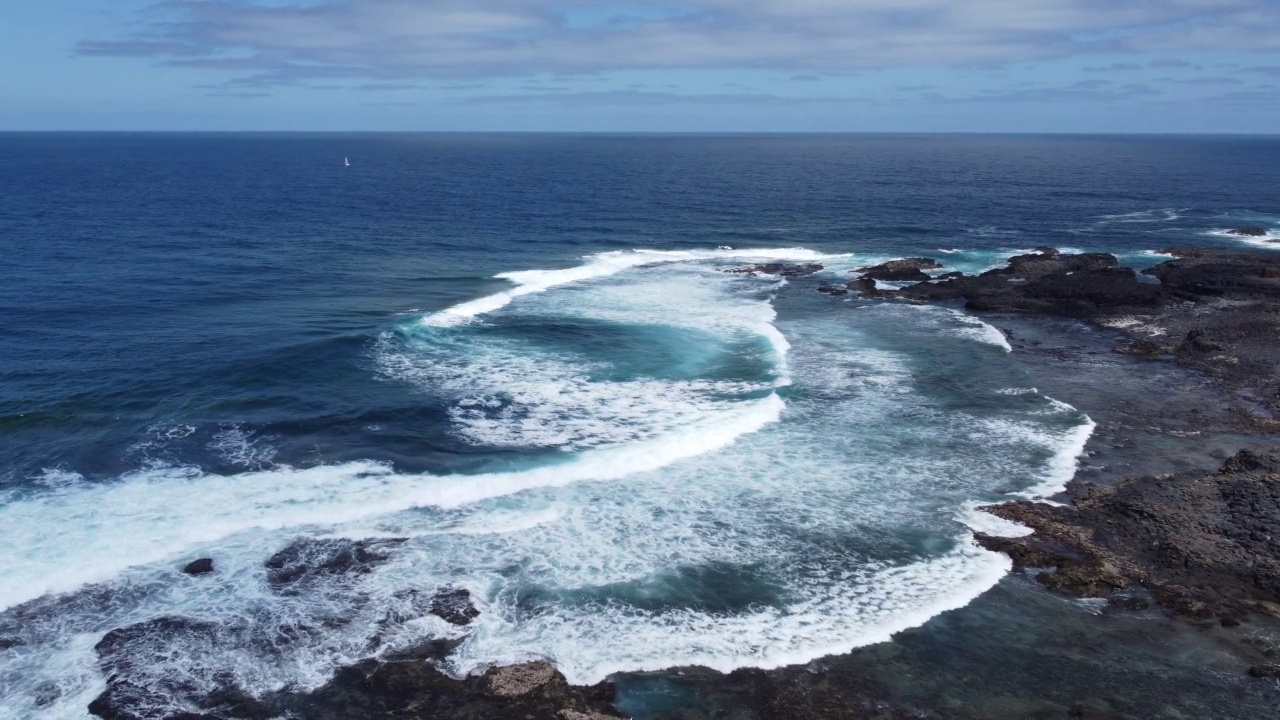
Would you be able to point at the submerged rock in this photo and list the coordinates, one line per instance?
(203, 566)
(1141, 348)
(904, 270)
(781, 269)
(373, 690)
(1250, 231)
(865, 286)
(454, 606)
(1269, 671)
(307, 560)
(141, 683)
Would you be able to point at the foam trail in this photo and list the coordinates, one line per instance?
(62, 541)
(1269, 241)
(869, 609)
(983, 331)
(981, 521)
(1062, 466)
(604, 264)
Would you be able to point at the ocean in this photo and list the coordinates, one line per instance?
(517, 365)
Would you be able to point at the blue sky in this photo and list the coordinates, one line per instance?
(700, 65)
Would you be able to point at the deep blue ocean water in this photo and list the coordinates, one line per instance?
(522, 355)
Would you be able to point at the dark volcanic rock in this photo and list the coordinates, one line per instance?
(1225, 303)
(1270, 670)
(781, 269)
(1197, 273)
(866, 286)
(1038, 265)
(1204, 544)
(142, 681)
(10, 642)
(1251, 231)
(454, 606)
(306, 560)
(833, 290)
(1141, 348)
(203, 566)
(907, 269)
(1047, 282)
(417, 690)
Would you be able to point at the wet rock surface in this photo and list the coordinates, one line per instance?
(202, 566)
(1206, 545)
(141, 685)
(1046, 282)
(780, 269)
(418, 690)
(906, 269)
(308, 560)
(1202, 542)
(454, 606)
(1216, 310)
(1250, 231)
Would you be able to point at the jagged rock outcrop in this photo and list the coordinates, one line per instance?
(780, 269)
(1206, 545)
(906, 269)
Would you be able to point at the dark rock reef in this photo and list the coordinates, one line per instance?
(1216, 310)
(906, 269)
(453, 605)
(202, 566)
(1044, 282)
(1206, 545)
(780, 269)
(308, 560)
(1250, 231)
(416, 689)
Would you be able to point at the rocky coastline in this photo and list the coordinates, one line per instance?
(1200, 545)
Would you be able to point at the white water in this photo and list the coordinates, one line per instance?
(688, 519)
(1269, 241)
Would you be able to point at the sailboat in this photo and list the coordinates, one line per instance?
(346, 162)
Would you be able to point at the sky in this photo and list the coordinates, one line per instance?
(1147, 66)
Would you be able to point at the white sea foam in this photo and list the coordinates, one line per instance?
(600, 265)
(64, 541)
(242, 447)
(1269, 241)
(867, 608)
(1144, 216)
(991, 231)
(960, 324)
(610, 557)
(988, 524)
(981, 331)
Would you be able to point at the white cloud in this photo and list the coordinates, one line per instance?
(418, 39)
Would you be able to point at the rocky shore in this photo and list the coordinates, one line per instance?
(1187, 550)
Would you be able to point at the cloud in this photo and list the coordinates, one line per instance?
(220, 93)
(1206, 81)
(1083, 91)
(637, 97)
(1117, 67)
(268, 42)
(808, 77)
(1246, 98)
